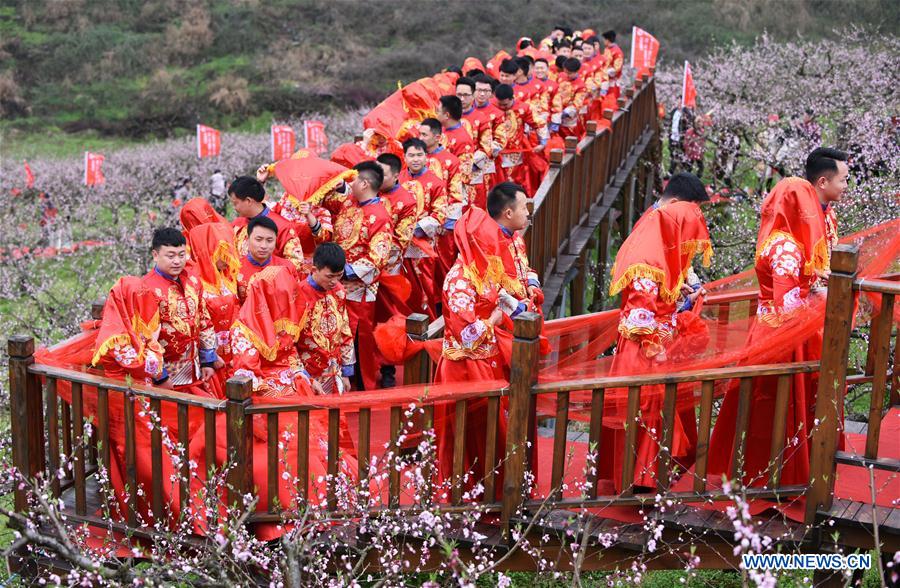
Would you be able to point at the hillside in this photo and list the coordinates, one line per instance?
(137, 69)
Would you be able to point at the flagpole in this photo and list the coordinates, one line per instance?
(199, 156)
(272, 134)
(633, 39)
(684, 84)
(85, 168)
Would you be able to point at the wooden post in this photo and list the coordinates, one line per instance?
(26, 406)
(628, 207)
(522, 377)
(97, 308)
(239, 438)
(832, 379)
(579, 283)
(600, 269)
(417, 369)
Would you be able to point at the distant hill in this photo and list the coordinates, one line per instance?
(133, 68)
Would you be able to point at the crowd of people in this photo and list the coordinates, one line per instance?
(290, 293)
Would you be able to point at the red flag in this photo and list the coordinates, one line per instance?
(644, 48)
(209, 141)
(284, 141)
(688, 91)
(314, 136)
(29, 176)
(93, 169)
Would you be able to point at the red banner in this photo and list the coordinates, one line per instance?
(93, 169)
(314, 136)
(688, 90)
(29, 176)
(644, 48)
(209, 142)
(284, 142)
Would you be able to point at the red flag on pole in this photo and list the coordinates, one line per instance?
(644, 48)
(29, 176)
(314, 136)
(209, 142)
(93, 169)
(688, 91)
(284, 141)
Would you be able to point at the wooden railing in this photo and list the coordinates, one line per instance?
(591, 183)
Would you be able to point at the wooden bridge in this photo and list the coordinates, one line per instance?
(593, 188)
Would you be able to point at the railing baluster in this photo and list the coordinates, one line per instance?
(272, 477)
(427, 473)
(740, 431)
(595, 435)
(79, 439)
(51, 408)
(706, 401)
(632, 422)
(66, 410)
(779, 424)
(459, 451)
(156, 461)
(363, 452)
(490, 450)
(303, 453)
(209, 434)
(664, 473)
(559, 443)
(882, 344)
(239, 438)
(184, 442)
(334, 439)
(130, 461)
(394, 474)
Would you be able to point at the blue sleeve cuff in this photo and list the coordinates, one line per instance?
(162, 378)
(533, 282)
(419, 232)
(348, 272)
(544, 141)
(347, 371)
(208, 356)
(519, 310)
(306, 374)
(553, 129)
(450, 224)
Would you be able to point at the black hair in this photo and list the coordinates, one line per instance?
(544, 59)
(560, 61)
(503, 92)
(509, 66)
(610, 36)
(453, 69)
(414, 143)
(452, 106)
(245, 187)
(465, 81)
(564, 43)
(474, 73)
(433, 124)
(371, 172)
(593, 40)
(261, 221)
(486, 79)
(501, 197)
(525, 60)
(167, 237)
(572, 64)
(823, 162)
(329, 255)
(390, 160)
(524, 43)
(685, 186)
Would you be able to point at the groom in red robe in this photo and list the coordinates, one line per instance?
(792, 257)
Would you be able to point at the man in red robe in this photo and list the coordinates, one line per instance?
(479, 305)
(457, 139)
(478, 123)
(792, 255)
(546, 85)
(431, 212)
(326, 343)
(522, 161)
(247, 195)
(569, 102)
(651, 272)
(614, 59)
(186, 332)
(363, 230)
(484, 91)
(262, 234)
